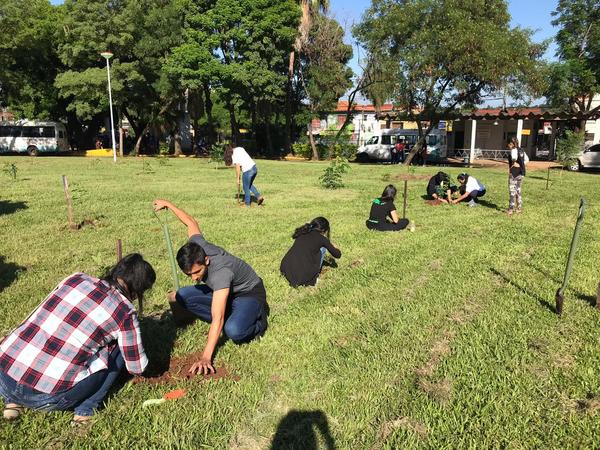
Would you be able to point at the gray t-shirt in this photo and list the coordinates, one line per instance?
(225, 270)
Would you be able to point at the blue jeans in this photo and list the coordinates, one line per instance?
(85, 397)
(242, 316)
(247, 181)
(323, 253)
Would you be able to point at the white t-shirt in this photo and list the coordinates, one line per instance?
(514, 155)
(473, 185)
(241, 157)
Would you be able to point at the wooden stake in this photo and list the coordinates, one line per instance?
(548, 178)
(119, 250)
(598, 297)
(69, 200)
(404, 206)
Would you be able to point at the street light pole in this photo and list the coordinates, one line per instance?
(107, 56)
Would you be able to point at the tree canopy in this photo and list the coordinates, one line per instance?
(437, 58)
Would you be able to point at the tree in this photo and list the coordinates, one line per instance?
(447, 54)
(140, 34)
(28, 58)
(236, 49)
(309, 8)
(575, 79)
(324, 73)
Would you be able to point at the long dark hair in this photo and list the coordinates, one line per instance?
(442, 177)
(228, 155)
(463, 176)
(137, 274)
(389, 193)
(320, 224)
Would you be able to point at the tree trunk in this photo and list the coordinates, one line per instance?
(288, 104)
(208, 106)
(315, 155)
(177, 138)
(419, 145)
(268, 129)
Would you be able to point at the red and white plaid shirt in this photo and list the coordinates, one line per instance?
(71, 335)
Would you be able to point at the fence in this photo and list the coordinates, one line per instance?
(481, 153)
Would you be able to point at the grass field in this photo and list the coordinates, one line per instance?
(441, 338)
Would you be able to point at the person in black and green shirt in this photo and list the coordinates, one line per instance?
(383, 216)
(440, 188)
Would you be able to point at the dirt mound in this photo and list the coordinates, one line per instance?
(436, 202)
(177, 370)
(409, 176)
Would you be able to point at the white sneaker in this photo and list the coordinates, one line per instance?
(472, 203)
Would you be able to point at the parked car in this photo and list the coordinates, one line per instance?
(589, 158)
(379, 147)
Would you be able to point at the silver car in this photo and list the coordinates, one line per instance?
(589, 158)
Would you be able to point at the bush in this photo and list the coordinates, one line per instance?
(302, 149)
(216, 153)
(568, 147)
(332, 175)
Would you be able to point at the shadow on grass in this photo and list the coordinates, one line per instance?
(9, 272)
(301, 429)
(542, 301)
(590, 299)
(159, 335)
(490, 205)
(10, 207)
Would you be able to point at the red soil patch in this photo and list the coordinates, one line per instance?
(407, 176)
(178, 371)
(436, 202)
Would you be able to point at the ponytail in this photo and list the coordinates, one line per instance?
(320, 224)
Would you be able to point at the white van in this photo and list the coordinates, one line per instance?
(33, 137)
(379, 147)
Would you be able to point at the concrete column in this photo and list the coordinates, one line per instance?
(519, 130)
(473, 136)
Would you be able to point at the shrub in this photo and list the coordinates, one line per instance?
(332, 175)
(10, 170)
(302, 149)
(568, 148)
(216, 153)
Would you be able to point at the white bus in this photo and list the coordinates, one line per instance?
(33, 138)
(379, 147)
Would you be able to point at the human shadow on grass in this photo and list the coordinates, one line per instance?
(590, 299)
(542, 301)
(300, 430)
(10, 207)
(159, 335)
(9, 272)
(240, 198)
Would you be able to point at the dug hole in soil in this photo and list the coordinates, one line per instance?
(177, 370)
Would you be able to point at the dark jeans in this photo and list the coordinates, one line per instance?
(248, 184)
(474, 195)
(85, 397)
(242, 317)
(388, 226)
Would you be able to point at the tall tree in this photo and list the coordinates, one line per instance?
(324, 72)
(575, 78)
(447, 54)
(309, 8)
(28, 58)
(140, 33)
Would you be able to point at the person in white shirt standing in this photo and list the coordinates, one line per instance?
(517, 161)
(470, 188)
(245, 169)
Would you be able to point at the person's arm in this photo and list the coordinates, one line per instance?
(394, 215)
(217, 311)
(461, 198)
(129, 341)
(332, 249)
(185, 218)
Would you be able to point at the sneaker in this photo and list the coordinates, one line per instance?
(472, 203)
(260, 200)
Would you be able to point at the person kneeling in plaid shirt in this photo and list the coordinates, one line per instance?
(70, 350)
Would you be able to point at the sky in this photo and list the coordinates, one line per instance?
(534, 14)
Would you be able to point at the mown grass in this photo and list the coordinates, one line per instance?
(441, 338)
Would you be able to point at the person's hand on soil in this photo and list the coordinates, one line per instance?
(171, 296)
(160, 204)
(203, 367)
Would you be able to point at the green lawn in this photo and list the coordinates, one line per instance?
(441, 338)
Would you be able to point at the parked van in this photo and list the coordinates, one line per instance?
(379, 147)
(33, 137)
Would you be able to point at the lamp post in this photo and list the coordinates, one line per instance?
(107, 56)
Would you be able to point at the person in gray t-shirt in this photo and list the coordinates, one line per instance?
(232, 298)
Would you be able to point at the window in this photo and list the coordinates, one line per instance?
(386, 140)
(431, 140)
(408, 139)
(594, 148)
(10, 131)
(37, 132)
(373, 140)
(61, 134)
